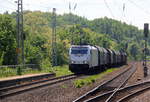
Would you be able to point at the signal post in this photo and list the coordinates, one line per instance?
(146, 31)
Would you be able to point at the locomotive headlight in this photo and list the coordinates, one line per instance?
(85, 62)
(72, 62)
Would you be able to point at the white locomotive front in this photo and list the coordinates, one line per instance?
(82, 57)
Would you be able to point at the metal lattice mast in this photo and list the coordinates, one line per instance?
(54, 46)
(20, 35)
(18, 40)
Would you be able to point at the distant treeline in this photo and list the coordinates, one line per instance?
(104, 32)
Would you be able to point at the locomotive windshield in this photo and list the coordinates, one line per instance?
(79, 50)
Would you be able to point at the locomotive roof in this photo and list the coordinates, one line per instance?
(101, 49)
(80, 45)
(83, 46)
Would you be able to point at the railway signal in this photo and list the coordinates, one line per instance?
(146, 31)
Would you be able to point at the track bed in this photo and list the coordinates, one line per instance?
(66, 91)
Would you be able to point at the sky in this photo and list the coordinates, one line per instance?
(135, 12)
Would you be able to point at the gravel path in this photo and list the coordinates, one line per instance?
(137, 76)
(62, 92)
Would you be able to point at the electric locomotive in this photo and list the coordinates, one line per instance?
(83, 58)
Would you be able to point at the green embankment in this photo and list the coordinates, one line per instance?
(91, 79)
(61, 70)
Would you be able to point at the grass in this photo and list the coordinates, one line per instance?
(9, 72)
(64, 86)
(59, 70)
(6, 72)
(91, 79)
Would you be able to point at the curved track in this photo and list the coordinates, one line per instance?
(114, 84)
(126, 93)
(134, 93)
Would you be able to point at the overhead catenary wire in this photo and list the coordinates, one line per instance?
(10, 7)
(27, 6)
(109, 9)
(13, 6)
(123, 12)
(139, 7)
(120, 9)
(36, 7)
(5, 8)
(12, 3)
(40, 4)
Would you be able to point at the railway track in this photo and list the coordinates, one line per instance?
(125, 93)
(13, 90)
(26, 79)
(111, 85)
(135, 93)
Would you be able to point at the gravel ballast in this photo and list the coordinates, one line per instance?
(62, 92)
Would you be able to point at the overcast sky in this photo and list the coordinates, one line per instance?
(135, 12)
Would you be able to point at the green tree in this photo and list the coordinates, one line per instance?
(7, 40)
(134, 50)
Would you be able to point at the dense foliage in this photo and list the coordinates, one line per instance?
(7, 40)
(71, 28)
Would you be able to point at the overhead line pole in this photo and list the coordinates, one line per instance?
(18, 39)
(54, 45)
(20, 35)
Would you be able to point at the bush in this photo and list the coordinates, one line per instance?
(91, 79)
(46, 65)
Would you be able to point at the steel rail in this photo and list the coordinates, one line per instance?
(127, 92)
(111, 94)
(116, 90)
(124, 99)
(96, 89)
(5, 92)
(21, 80)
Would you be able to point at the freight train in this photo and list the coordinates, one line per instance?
(83, 58)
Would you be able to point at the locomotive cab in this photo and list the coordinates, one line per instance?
(83, 58)
(79, 58)
(79, 55)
